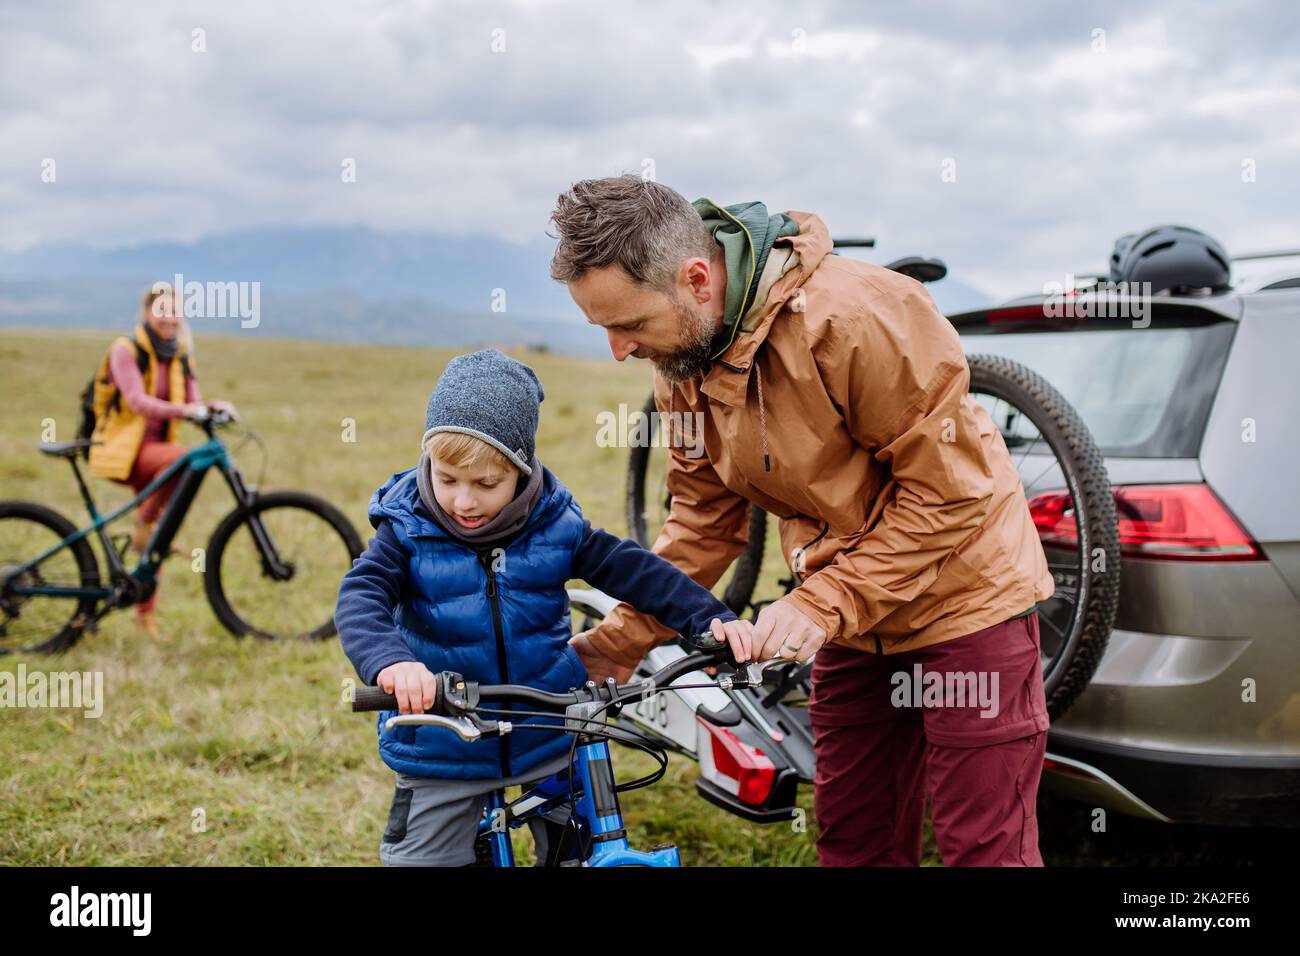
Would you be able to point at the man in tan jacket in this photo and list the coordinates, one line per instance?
(833, 394)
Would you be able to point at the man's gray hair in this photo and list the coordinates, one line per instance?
(643, 226)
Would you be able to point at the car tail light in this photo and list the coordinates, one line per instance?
(1066, 306)
(1018, 313)
(1170, 522)
(734, 765)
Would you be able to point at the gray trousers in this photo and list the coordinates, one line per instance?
(433, 822)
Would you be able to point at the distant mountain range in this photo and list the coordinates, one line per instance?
(350, 284)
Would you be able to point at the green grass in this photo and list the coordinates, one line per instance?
(255, 734)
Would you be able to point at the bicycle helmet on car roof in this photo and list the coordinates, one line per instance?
(1171, 258)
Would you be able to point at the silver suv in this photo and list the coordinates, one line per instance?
(1194, 712)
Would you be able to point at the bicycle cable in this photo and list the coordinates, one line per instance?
(625, 736)
(246, 435)
(622, 735)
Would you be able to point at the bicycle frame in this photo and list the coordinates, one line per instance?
(586, 790)
(595, 801)
(192, 466)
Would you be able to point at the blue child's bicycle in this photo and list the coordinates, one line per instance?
(574, 815)
(271, 568)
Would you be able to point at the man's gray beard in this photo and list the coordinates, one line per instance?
(697, 344)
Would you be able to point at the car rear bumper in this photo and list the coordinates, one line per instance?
(1175, 787)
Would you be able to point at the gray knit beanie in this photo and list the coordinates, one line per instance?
(488, 395)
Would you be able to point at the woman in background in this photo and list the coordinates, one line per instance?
(150, 386)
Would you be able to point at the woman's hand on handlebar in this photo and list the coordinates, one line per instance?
(411, 683)
(223, 406)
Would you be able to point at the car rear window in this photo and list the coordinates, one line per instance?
(1142, 392)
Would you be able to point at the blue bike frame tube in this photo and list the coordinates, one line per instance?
(596, 803)
(599, 804)
(197, 459)
(503, 851)
(599, 801)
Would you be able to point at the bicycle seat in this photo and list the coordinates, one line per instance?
(920, 269)
(67, 449)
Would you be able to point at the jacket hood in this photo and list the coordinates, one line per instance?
(727, 381)
(398, 500)
(811, 245)
(746, 234)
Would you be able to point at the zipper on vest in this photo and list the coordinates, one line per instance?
(486, 560)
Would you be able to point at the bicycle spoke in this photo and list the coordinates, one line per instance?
(27, 621)
(304, 602)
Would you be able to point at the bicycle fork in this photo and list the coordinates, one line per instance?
(595, 802)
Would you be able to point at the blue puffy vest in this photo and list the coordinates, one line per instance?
(496, 618)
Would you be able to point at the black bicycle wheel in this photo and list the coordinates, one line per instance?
(1064, 473)
(36, 623)
(648, 503)
(316, 544)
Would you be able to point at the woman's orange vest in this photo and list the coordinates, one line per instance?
(121, 430)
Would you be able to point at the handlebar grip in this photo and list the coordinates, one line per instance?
(372, 698)
(706, 643)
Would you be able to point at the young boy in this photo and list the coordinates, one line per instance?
(467, 573)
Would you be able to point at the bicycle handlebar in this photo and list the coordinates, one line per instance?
(456, 696)
(212, 418)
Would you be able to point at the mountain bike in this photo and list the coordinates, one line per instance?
(575, 814)
(271, 568)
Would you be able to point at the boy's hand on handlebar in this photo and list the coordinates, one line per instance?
(411, 683)
(739, 634)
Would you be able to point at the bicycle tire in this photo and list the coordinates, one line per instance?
(215, 587)
(1089, 485)
(83, 611)
(740, 589)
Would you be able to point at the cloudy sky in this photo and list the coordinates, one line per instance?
(1064, 128)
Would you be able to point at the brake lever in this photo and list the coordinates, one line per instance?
(750, 674)
(460, 697)
(469, 728)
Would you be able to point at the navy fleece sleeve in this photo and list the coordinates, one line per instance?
(368, 594)
(624, 570)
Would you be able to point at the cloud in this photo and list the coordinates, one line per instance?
(464, 117)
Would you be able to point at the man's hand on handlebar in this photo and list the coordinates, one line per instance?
(413, 684)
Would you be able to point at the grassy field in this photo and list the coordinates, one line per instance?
(252, 738)
(252, 733)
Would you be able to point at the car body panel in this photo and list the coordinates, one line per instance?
(1194, 711)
